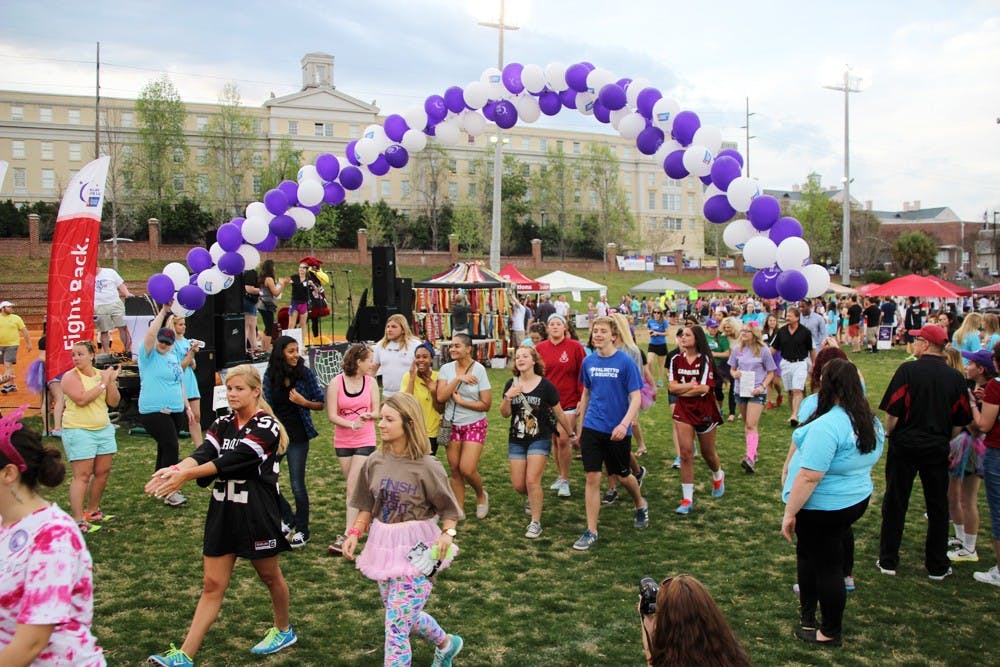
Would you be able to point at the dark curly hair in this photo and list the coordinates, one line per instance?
(841, 386)
(44, 464)
(278, 369)
(354, 355)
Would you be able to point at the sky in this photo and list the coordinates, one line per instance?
(925, 125)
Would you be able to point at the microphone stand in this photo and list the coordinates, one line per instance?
(332, 300)
(350, 298)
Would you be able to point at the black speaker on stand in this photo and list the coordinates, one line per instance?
(204, 372)
(404, 298)
(230, 340)
(384, 275)
(371, 322)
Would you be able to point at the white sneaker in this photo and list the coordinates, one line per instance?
(563, 491)
(885, 570)
(963, 555)
(298, 540)
(990, 576)
(175, 499)
(556, 485)
(940, 577)
(483, 509)
(534, 530)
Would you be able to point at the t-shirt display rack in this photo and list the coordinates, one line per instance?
(488, 319)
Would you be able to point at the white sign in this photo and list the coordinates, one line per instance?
(219, 400)
(747, 384)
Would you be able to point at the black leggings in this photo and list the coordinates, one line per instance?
(164, 428)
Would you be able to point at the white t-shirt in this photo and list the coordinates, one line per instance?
(106, 287)
(602, 309)
(517, 318)
(459, 415)
(562, 307)
(394, 362)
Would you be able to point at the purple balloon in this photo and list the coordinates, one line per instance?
(784, 228)
(568, 98)
(549, 103)
(724, 170)
(351, 178)
(576, 77)
(506, 114)
(490, 111)
(230, 237)
(645, 100)
(717, 209)
(333, 194)
(612, 96)
(231, 263)
(160, 287)
(765, 283)
(436, 108)
(735, 154)
(314, 209)
(198, 259)
(601, 112)
(291, 190)
(351, 155)
(792, 285)
(269, 243)
(624, 81)
(428, 130)
(511, 77)
(275, 202)
(673, 165)
(649, 140)
(686, 123)
(193, 280)
(327, 166)
(283, 226)
(454, 100)
(764, 211)
(707, 179)
(395, 127)
(238, 221)
(380, 167)
(397, 156)
(191, 297)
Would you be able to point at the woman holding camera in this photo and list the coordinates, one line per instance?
(827, 489)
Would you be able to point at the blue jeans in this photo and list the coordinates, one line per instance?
(296, 454)
(991, 480)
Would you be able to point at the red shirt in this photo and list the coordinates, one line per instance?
(992, 395)
(563, 362)
(694, 410)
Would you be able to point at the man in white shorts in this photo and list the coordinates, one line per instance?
(794, 342)
(109, 309)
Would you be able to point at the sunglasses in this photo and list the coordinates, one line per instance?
(657, 312)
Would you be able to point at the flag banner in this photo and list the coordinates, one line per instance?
(73, 267)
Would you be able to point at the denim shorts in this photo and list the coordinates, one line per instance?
(761, 399)
(517, 450)
(82, 444)
(991, 477)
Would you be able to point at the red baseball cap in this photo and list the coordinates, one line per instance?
(932, 334)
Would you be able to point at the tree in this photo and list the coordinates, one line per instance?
(868, 249)
(229, 137)
(283, 166)
(116, 144)
(822, 220)
(610, 209)
(431, 174)
(554, 185)
(162, 146)
(386, 226)
(469, 228)
(513, 191)
(914, 252)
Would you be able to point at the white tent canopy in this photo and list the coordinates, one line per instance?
(660, 285)
(560, 281)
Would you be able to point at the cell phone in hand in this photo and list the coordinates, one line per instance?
(197, 343)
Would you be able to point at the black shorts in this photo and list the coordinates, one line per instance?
(599, 449)
(347, 452)
(249, 527)
(660, 349)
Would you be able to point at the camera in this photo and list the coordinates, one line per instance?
(648, 588)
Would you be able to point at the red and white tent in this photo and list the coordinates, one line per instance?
(523, 282)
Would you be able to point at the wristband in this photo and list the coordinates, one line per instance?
(355, 532)
(102, 385)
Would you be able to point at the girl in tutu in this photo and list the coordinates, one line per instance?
(400, 494)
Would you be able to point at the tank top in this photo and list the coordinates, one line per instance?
(350, 407)
(94, 415)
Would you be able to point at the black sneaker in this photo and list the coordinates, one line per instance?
(640, 476)
(610, 497)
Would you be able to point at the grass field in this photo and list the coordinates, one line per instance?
(521, 602)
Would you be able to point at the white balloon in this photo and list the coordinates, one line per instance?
(664, 111)
(251, 256)
(256, 229)
(742, 190)
(476, 95)
(792, 252)
(555, 74)
(310, 193)
(631, 125)
(709, 137)
(617, 115)
(737, 233)
(177, 273)
(473, 122)
(447, 133)
(366, 151)
(698, 160)
(597, 78)
(634, 88)
(416, 118)
(216, 252)
(759, 252)
(528, 110)
(307, 173)
(585, 103)
(258, 210)
(711, 190)
(213, 281)
(533, 78)
(414, 141)
(178, 310)
(493, 78)
(303, 217)
(818, 278)
(376, 134)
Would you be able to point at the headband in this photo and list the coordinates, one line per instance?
(8, 425)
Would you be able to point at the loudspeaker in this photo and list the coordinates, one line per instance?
(230, 300)
(370, 322)
(139, 305)
(404, 298)
(230, 341)
(384, 275)
(201, 324)
(204, 372)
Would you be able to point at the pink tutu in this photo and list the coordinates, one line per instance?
(384, 555)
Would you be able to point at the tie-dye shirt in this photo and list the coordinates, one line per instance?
(46, 578)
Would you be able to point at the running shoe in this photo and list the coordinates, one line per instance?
(677, 463)
(533, 531)
(527, 507)
(849, 583)
(444, 658)
(796, 589)
(642, 517)
(749, 465)
(564, 489)
(990, 576)
(172, 658)
(586, 541)
(685, 506)
(955, 543)
(483, 508)
(298, 540)
(719, 487)
(87, 528)
(941, 577)
(286, 530)
(610, 497)
(885, 570)
(97, 516)
(963, 555)
(337, 548)
(175, 499)
(641, 475)
(556, 484)
(275, 640)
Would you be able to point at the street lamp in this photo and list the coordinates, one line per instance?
(501, 21)
(851, 84)
(749, 137)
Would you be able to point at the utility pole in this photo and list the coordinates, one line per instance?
(852, 84)
(747, 128)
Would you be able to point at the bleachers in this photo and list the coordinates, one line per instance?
(29, 299)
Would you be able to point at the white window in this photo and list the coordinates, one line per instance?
(671, 202)
(472, 190)
(471, 169)
(628, 199)
(48, 179)
(527, 194)
(626, 153)
(74, 152)
(385, 189)
(453, 190)
(405, 188)
(672, 224)
(543, 144)
(102, 118)
(201, 123)
(74, 116)
(526, 170)
(257, 184)
(45, 114)
(20, 180)
(258, 126)
(16, 112)
(17, 149)
(235, 158)
(203, 184)
(651, 180)
(258, 159)
(576, 147)
(317, 129)
(179, 182)
(526, 144)
(178, 155)
(576, 196)
(202, 156)
(237, 183)
(692, 204)
(128, 119)
(628, 179)
(46, 150)
(652, 200)
(355, 131)
(593, 199)
(692, 225)
(293, 127)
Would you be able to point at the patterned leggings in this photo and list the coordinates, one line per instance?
(404, 599)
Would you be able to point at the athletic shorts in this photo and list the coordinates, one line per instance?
(474, 432)
(853, 330)
(83, 444)
(346, 452)
(109, 316)
(793, 374)
(599, 449)
(520, 451)
(9, 354)
(296, 307)
(660, 349)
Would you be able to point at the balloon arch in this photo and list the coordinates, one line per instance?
(674, 138)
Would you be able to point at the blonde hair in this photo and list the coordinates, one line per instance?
(991, 324)
(756, 339)
(414, 431)
(733, 324)
(607, 321)
(404, 325)
(954, 358)
(624, 332)
(970, 327)
(253, 381)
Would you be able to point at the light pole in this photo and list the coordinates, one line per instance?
(851, 84)
(747, 128)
